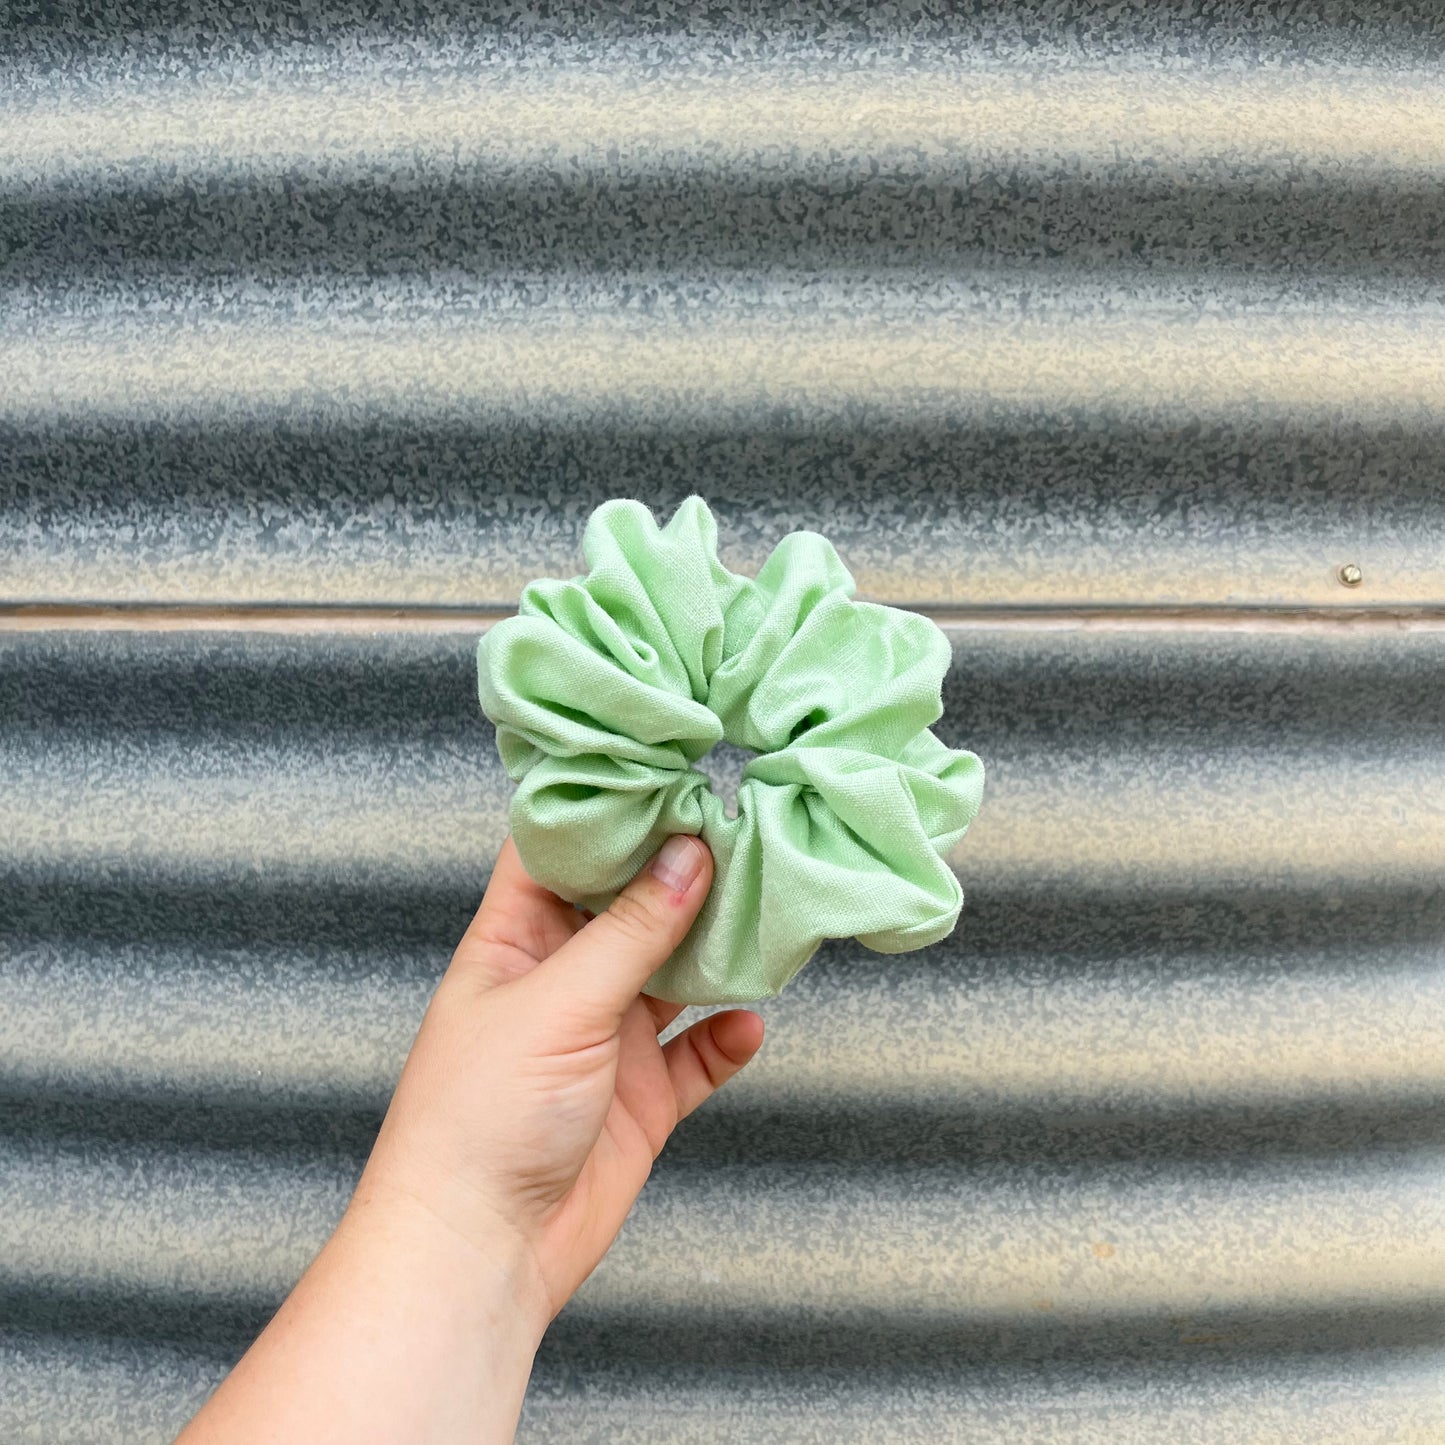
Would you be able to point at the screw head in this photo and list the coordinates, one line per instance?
(1351, 575)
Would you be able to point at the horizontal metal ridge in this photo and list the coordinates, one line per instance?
(1246, 1237)
(77, 1383)
(651, 118)
(158, 40)
(381, 619)
(610, 369)
(1144, 753)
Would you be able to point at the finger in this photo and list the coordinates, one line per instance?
(701, 1059)
(518, 924)
(598, 972)
(663, 1012)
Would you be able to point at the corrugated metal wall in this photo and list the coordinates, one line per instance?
(1108, 333)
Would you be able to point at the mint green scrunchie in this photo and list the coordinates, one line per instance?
(605, 689)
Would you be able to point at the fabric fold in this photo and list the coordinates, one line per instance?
(606, 689)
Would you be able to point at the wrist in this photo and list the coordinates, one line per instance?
(486, 1260)
(402, 1328)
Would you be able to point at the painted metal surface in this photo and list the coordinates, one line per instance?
(1124, 319)
(1168, 1109)
(1068, 304)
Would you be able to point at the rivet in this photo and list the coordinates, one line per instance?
(1351, 575)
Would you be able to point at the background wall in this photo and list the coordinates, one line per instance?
(1106, 334)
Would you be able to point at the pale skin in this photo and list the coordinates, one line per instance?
(528, 1115)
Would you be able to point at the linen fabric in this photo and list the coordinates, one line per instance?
(605, 689)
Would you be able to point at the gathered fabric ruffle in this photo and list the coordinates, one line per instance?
(607, 688)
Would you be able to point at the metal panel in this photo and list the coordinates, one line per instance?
(1165, 1115)
(1110, 332)
(1069, 304)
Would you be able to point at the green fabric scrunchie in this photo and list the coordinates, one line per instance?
(605, 689)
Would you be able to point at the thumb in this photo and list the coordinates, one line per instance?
(600, 970)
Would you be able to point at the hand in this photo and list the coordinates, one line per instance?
(537, 1096)
(528, 1115)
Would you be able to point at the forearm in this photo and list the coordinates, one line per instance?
(531, 1107)
(401, 1330)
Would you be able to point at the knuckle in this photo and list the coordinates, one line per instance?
(709, 1058)
(632, 916)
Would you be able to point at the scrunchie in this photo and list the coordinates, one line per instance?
(605, 689)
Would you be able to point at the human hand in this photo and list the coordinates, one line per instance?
(530, 1109)
(537, 1095)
